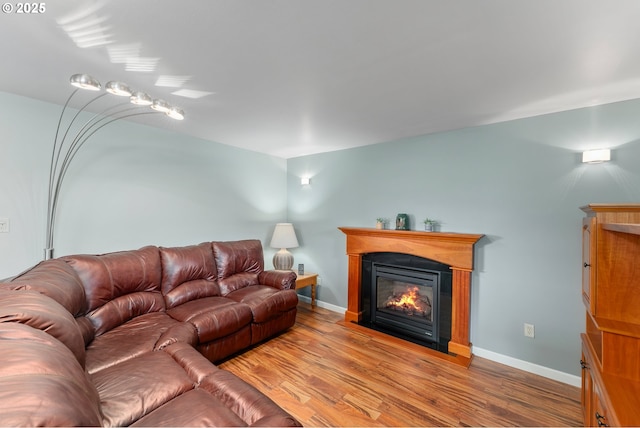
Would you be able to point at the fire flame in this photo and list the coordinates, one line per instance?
(407, 300)
(410, 302)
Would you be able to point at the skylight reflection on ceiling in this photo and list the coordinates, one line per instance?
(191, 93)
(85, 27)
(142, 64)
(172, 81)
(121, 53)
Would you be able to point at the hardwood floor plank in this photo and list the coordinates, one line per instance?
(327, 374)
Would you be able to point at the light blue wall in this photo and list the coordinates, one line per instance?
(131, 185)
(520, 183)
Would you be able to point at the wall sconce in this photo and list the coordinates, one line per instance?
(596, 156)
(304, 181)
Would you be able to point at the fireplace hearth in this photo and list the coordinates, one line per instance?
(408, 297)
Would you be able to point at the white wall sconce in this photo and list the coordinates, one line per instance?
(305, 181)
(596, 156)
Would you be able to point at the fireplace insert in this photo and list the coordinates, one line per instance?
(408, 297)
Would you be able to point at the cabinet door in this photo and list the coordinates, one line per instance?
(587, 393)
(589, 263)
(600, 412)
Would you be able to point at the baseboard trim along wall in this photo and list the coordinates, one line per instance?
(489, 355)
(529, 367)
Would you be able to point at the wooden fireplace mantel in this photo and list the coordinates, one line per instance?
(453, 249)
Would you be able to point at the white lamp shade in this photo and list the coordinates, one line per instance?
(141, 99)
(284, 236)
(118, 88)
(84, 81)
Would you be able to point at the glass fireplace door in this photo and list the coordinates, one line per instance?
(406, 300)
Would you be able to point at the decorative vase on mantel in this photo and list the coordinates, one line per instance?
(380, 223)
(429, 225)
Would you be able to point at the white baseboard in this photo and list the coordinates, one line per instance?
(489, 355)
(529, 367)
(321, 304)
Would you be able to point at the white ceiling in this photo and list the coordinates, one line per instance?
(297, 77)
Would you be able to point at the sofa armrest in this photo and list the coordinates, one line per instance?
(282, 279)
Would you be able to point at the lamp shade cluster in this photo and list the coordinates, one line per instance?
(284, 236)
(84, 81)
(68, 141)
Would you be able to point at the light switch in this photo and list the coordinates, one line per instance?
(4, 225)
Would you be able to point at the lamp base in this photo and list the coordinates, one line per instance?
(283, 260)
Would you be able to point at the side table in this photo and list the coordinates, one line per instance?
(308, 279)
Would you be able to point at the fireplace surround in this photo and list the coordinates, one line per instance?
(408, 297)
(455, 250)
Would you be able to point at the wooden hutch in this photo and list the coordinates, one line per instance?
(611, 294)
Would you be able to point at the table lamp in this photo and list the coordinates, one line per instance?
(283, 237)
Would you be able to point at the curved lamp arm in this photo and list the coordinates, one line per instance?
(67, 152)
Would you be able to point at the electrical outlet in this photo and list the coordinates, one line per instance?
(4, 225)
(529, 330)
(319, 280)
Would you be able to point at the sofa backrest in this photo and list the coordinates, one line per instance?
(41, 383)
(34, 309)
(239, 263)
(188, 273)
(57, 280)
(119, 286)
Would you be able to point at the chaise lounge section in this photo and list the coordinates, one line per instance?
(129, 338)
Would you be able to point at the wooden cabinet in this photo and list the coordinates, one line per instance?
(588, 262)
(611, 294)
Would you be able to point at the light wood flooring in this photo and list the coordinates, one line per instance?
(326, 374)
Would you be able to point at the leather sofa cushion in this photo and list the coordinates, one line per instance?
(128, 341)
(246, 401)
(221, 348)
(183, 332)
(124, 308)
(196, 408)
(41, 383)
(283, 280)
(194, 364)
(213, 317)
(108, 276)
(238, 256)
(40, 312)
(55, 279)
(266, 302)
(237, 397)
(188, 273)
(136, 387)
(237, 281)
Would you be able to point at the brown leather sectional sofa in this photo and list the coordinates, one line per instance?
(129, 338)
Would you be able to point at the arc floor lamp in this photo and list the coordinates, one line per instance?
(67, 143)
